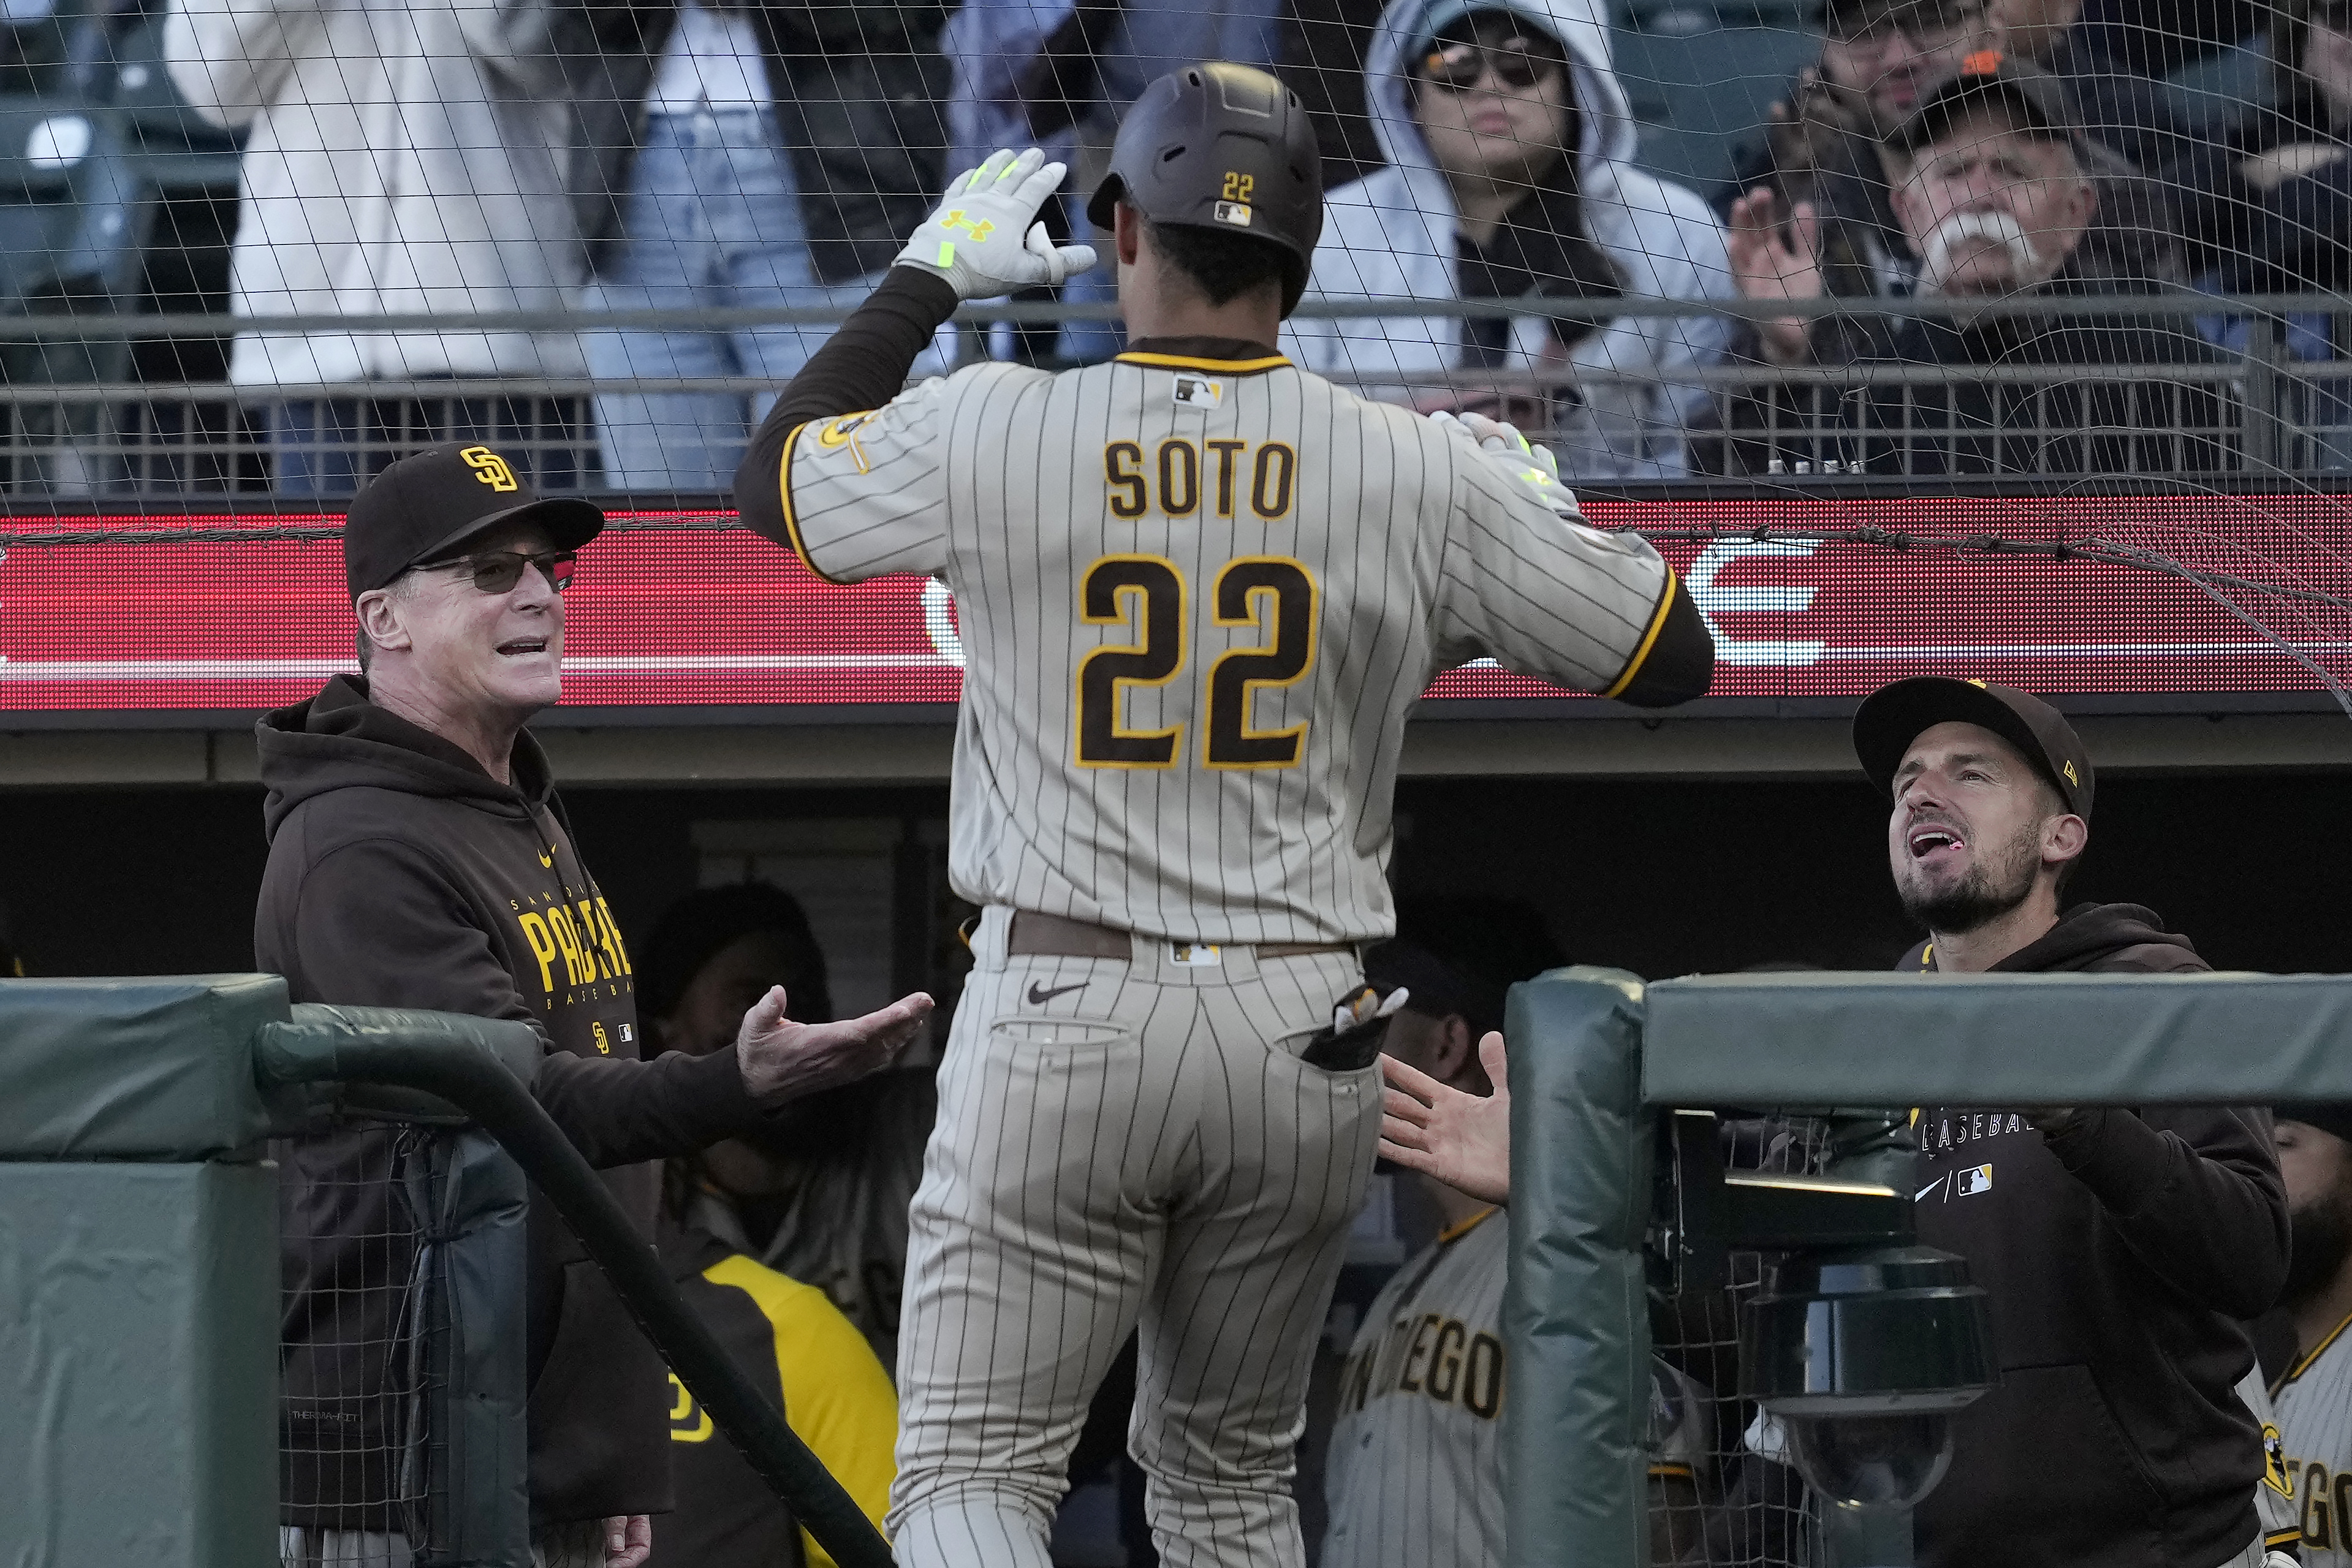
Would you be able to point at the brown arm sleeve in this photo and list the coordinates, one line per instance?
(862, 366)
(1679, 664)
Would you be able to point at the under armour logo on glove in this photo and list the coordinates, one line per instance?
(985, 239)
(1532, 466)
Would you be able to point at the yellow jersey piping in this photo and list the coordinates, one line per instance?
(1650, 637)
(2303, 1366)
(791, 522)
(1187, 362)
(1461, 1227)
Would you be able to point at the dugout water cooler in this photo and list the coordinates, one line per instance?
(138, 1275)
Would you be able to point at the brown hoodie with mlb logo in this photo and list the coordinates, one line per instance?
(2119, 1257)
(401, 874)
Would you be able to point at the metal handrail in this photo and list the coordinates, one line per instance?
(423, 1053)
(2171, 303)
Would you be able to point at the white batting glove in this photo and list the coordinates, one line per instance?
(985, 239)
(1532, 466)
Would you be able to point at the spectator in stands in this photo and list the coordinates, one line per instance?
(1321, 58)
(2270, 202)
(1823, 147)
(1059, 74)
(1993, 194)
(801, 1353)
(2270, 206)
(405, 161)
(1509, 142)
(819, 1191)
(739, 156)
(2112, 67)
(2119, 1248)
(419, 858)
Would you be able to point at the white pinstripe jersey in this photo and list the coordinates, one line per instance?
(1197, 598)
(2314, 1403)
(1414, 1475)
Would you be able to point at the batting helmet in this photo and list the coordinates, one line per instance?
(1222, 147)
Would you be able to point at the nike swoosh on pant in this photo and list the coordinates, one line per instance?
(1039, 995)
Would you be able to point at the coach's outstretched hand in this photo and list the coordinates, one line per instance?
(1530, 464)
(985, 239)
(783, 1060)
(1463, 1140)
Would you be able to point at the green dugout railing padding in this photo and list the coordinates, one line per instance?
(1595, 1054)
(139, 1271)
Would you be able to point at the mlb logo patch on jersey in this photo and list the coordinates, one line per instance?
(1199, 392)
(2275, 1475)
(1972, 1181)
(1195, 955)
(1234, 213)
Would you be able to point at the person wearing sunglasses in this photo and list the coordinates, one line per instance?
(419, 858)
(1509, 142)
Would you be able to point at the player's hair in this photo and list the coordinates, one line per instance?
(1224, 266)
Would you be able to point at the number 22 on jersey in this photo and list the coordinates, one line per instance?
(1148, 595)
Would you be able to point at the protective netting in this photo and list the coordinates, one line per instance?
(355, 1446)
(1721, 1496)
(2085, 238)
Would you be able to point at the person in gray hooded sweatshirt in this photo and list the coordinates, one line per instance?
(1509, 139)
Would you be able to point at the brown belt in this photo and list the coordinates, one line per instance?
(1035, 935)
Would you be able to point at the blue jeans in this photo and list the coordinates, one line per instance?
(334, 445)
(712, 220)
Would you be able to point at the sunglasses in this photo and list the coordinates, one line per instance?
(1520, 63)
(498, 572)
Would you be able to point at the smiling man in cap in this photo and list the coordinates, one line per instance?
(2119, 1248)
(418, 858)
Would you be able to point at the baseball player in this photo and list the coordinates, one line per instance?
(1415, 1471)
(2314, 1397)
(1199, 591)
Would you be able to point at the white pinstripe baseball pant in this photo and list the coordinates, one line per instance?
(1123, 1144)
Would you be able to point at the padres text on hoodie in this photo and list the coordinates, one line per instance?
(401, 874)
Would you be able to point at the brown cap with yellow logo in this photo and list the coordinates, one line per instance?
(1891, 717)
(423, 508)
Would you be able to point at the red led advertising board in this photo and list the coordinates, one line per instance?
(675, 619)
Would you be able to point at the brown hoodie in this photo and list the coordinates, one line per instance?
(2118, 1257)
(401, 874)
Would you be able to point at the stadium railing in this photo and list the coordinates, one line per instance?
(143, 1126)
(1605, 1074)
(2249, 412)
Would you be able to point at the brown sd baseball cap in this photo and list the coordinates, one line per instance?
(1891, 717)
(425, 507)
(2333, 1117)
(1989, 78)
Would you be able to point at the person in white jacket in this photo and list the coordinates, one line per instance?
(1508, 138)
(402, 157)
